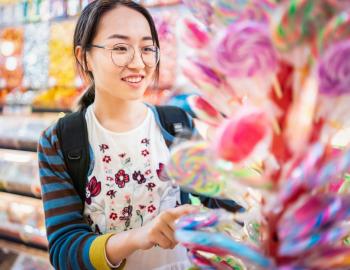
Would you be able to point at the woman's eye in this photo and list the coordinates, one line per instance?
(120, 49)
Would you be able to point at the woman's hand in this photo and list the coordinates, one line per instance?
(160, 231)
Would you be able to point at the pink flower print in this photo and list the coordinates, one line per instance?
(126, 213)
(113, 216)
(145, 153)
(121, 178)
(107, 159)
(103, 147)
(160, 169)
(151, 208)
(122, 155)
(161, 173)
(150, 186)
(141, 206)
(145, 141)
(93, 189)
(139, 177)
(111, 193)
(148, 172)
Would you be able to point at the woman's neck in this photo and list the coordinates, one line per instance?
(119, 115)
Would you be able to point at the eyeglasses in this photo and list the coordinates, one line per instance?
(122, 54)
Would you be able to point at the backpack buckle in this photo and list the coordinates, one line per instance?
(178, 128)
(74, 155)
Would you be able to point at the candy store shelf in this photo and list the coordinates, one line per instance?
(17, 256)
(22, 220)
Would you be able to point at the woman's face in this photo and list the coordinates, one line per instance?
(129, 28)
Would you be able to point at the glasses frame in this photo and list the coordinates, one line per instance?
(133, 55)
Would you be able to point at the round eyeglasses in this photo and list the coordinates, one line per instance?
(122, 54)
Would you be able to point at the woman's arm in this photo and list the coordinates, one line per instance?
(72, 244)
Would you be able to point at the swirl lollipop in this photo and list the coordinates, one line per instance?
(334, 81)
(245, 54)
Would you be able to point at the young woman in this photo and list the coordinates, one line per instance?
(127, 219)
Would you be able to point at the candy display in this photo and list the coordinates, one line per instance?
(35, 55)
(11, 47)
(288, 73)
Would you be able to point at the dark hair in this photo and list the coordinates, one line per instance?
(85, 31)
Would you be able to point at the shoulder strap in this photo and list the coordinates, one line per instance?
(73, 137)
(175, 120)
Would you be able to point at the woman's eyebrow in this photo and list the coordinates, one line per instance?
(127, 38)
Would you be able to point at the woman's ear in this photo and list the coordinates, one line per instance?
(80, 56)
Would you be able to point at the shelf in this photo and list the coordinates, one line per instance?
(17, 256)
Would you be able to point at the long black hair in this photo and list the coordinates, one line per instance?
(85, 32)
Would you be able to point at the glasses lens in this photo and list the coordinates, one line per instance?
(122, 54)
(150, 55)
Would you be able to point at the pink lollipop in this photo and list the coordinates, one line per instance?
(334, 70)
(195, 36)
(240, 137)
(246, 55)
(204, 111)
(245, 50)
(211, 85)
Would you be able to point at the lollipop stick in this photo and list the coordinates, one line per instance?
(277, 87)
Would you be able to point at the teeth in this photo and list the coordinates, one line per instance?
(133, 79)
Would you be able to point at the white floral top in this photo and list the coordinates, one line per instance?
(125, 188)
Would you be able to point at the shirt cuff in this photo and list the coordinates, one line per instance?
(115, 266)
(98, 256)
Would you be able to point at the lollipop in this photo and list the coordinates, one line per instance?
(211, 85)
(334, 81)
(207, 221)
(245, 54)
(191, 167)
(239, 137)
(204, 110)
(299, 22)
(195, 36)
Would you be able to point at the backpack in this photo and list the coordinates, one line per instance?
(72, 134)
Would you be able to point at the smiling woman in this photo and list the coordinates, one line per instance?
(126, 218)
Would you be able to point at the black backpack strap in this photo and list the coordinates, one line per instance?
(73, 138)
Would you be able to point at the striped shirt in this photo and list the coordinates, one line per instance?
(72, 244)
